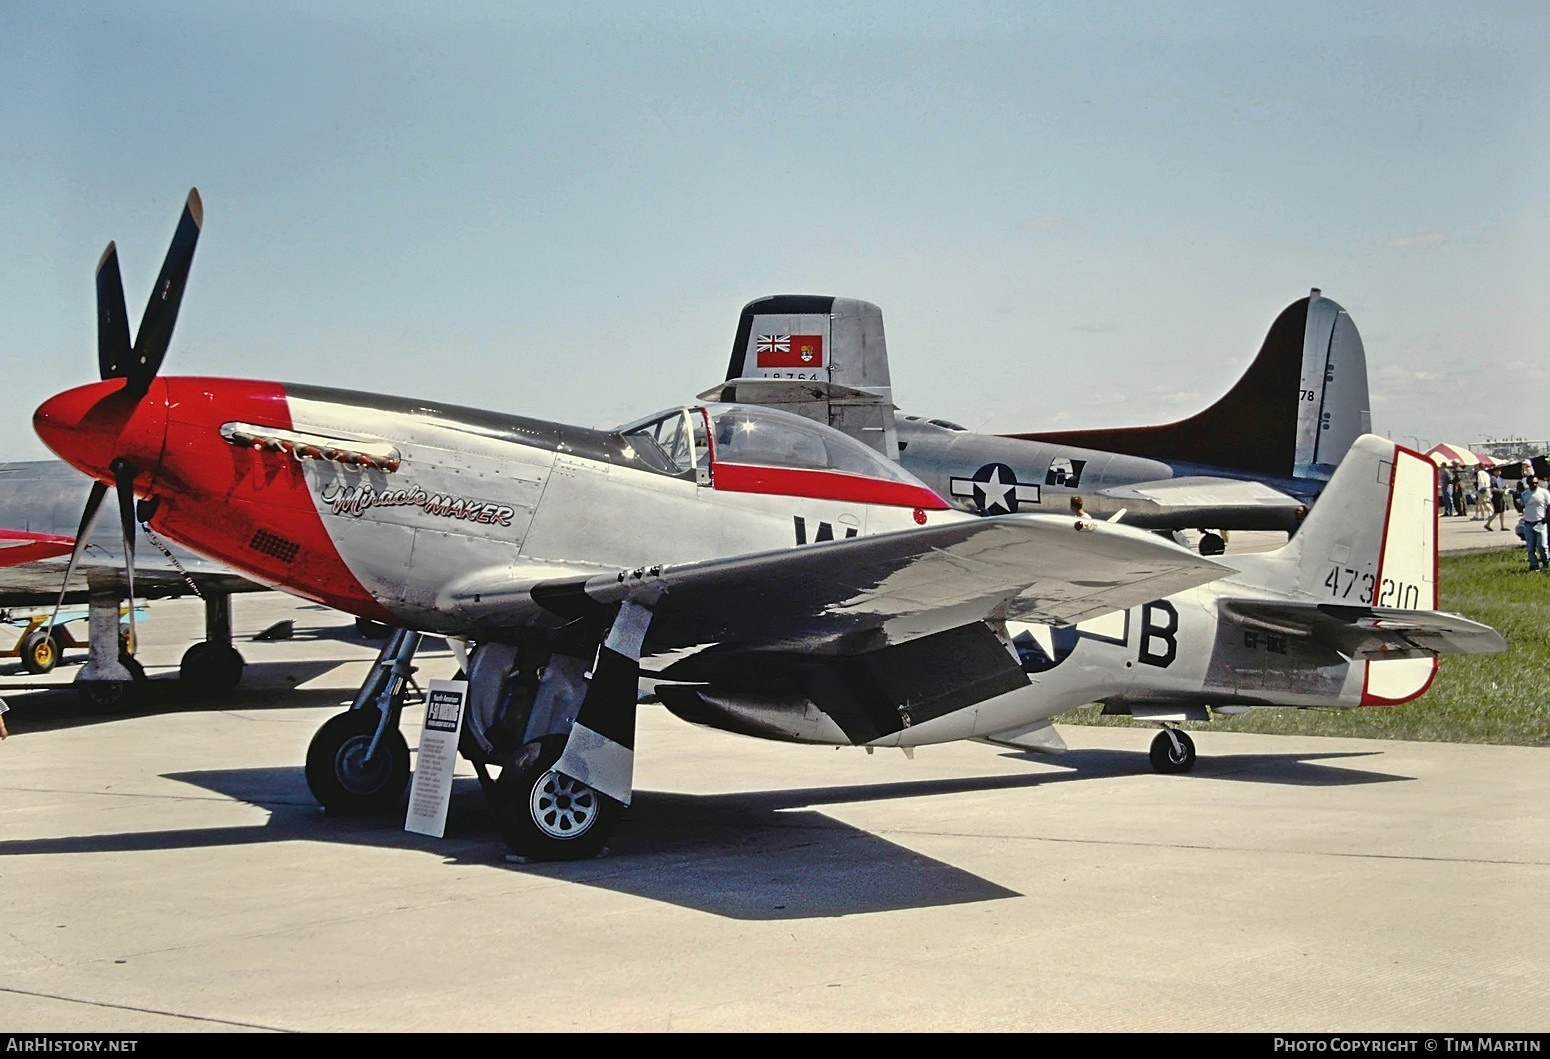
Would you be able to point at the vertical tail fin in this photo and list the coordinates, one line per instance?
(1295, 411)
(821, 357)
(1371, 541)
(1333, 409)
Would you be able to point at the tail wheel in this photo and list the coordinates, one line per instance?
(546, 815)
(1173, 751)
(39, 651)
(341, 775)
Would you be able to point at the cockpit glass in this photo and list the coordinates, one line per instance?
(771, 438)
(670, 442)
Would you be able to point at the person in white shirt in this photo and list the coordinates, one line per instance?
(1482, 494)
(1536, 504)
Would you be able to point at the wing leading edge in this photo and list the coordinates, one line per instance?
(18, 546)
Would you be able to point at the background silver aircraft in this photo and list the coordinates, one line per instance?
(1253, 460)
(47, 496)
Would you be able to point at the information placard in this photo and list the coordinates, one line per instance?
(431, 789)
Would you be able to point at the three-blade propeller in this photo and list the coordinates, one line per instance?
(137, 365)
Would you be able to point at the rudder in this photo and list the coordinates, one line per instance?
(1371, 541)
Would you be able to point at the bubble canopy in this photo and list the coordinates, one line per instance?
(805, 458)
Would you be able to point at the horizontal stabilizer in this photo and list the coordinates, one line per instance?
(780, 392)
(1221, 503)
(1367, 633)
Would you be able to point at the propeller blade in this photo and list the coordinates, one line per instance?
(112, 320)
(162, 311)
(124, 477)
(88, 520)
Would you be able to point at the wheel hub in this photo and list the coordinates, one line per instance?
(563, 807)
(357, 773)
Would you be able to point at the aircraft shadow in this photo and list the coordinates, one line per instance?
(61, 708)
(742, 856)
(1293, 768)
(754, 855)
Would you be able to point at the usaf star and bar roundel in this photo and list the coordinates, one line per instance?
(995, 489)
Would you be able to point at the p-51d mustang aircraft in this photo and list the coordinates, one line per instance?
(1250, 461)
(776, 576)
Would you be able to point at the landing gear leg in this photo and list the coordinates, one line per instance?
(561, 794)
(358, 762)
(213, 666)
(111, 678)
(1173, 751)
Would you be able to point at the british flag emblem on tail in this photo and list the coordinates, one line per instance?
(789, 351)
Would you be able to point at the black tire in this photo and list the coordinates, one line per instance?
(210, 668)
(546, 816)
(1212, 544)
(1170, 758)
(40, 651)
(340, 777)
(116, 695)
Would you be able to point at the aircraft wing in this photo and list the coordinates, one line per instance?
(19, 546)
(866, 592)
(1367, 632)
(1221, 503)
(28, 583)
(43, 500)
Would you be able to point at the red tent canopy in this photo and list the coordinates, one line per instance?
(1442, 454)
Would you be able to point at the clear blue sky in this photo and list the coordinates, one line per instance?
(1071, 215)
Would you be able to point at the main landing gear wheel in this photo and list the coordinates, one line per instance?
(1212, 544)
(341, 777)
(116, 695)
(211, 668)
(40, 651)
(1173, 751)
(544, 815)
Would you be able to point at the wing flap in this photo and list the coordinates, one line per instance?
(1367, 633)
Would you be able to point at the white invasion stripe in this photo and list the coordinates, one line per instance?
(599, 762)
(629, 630)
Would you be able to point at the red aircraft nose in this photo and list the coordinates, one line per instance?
(91, 426)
